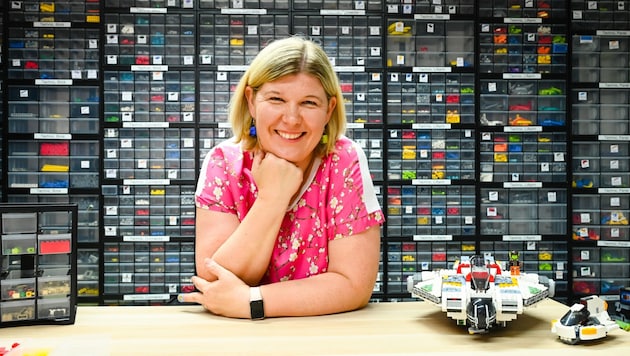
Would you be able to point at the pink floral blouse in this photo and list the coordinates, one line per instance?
(339, 201)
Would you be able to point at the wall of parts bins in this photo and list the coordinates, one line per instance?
(489, 126)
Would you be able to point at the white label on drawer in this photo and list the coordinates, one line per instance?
(188, 142)
(51, 24)
(431, 16)
(613, 44)
(522, 237)
(522, 76)
(614, 148)
(560, 266)
(237, 11)
(432, 237)
(522, 184)
(126, 96)
(431, 182)
(522, 129)
(614, 164)
(582, 96)
(53, 81)
(149, 68)
(147, 182)
(614, 85)
(139, 238)
(49, 191)
(126, 143)
(522, 20)
(430, 126)
(48, 136)
(558, 157)
(146, 297)
(147, 10)
(145, 124)
(613, 243)
(111, 210)
(613, 190)
(615, 201)
(544, 167)
(432, 69)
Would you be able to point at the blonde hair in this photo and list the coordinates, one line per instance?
(279, 58)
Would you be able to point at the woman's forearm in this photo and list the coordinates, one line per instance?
(246, 252)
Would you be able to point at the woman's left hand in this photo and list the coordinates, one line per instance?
(227, 295)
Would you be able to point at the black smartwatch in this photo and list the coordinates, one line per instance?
(256, 307)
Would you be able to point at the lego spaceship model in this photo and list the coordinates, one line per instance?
(586, 320)
(479, 294)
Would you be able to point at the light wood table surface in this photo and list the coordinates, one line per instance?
(406, 328)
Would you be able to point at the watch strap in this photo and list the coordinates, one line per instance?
(256, 306)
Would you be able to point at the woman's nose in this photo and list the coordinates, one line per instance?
(292, 114)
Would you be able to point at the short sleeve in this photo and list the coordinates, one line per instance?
(224, 184)
(353, 206)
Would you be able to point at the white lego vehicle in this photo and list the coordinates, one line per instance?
(477, 293)
(587, 320)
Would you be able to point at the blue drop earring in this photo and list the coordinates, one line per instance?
(252, 128)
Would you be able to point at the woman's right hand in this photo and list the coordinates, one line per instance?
(276, 178)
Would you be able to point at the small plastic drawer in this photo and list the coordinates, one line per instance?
(18, 310)
(586, 255)
(54, 149)
(57, 308)
(586, 270)
(13, 223)
(615, 233)
(23, 244)
(22, 288)
(585, 286)
(58, 286)
(87, 289)
(55, 244)
(615, 270)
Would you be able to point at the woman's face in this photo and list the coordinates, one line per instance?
(291, 113)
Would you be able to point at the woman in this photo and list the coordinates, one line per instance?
(287, 218)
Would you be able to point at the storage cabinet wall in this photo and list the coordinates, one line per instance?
(488, 126)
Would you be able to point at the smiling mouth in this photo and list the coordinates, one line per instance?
(290, 136)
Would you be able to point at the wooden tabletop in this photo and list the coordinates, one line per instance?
(409, 328)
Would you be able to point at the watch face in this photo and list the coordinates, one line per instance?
(257, 310)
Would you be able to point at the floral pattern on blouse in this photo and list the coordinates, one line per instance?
(339, 201)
